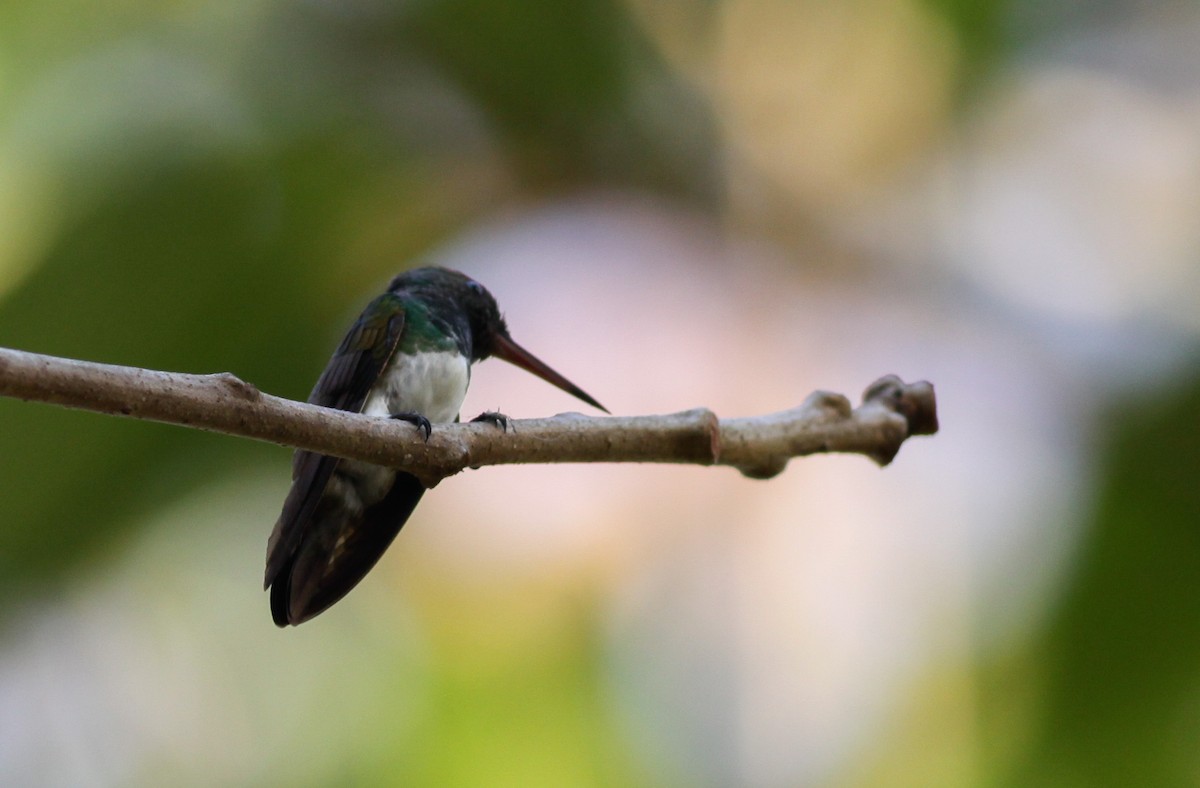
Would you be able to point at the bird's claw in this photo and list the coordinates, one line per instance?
(494, 418)
(417, 420)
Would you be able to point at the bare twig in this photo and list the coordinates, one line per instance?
(759, 447)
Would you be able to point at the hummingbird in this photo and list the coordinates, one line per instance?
(409, 357)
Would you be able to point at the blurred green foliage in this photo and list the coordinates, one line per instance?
(1120, 660)
(979, 27)
(576, 93)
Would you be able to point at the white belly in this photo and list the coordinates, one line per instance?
(431, 384)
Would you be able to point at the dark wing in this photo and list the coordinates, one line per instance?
(356, 366)
(329, 561)
(360, 359)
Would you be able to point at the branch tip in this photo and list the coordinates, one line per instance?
(916, 402)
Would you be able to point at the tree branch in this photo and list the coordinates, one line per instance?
(759, 447)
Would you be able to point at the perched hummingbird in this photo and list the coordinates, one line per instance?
(407, 357)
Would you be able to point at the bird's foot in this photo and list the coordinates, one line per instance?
(417, 420)
(494, 418)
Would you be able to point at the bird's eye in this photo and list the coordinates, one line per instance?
(475, 287)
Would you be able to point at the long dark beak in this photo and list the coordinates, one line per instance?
(516, 355)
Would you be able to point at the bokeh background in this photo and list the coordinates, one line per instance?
(726, 203)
